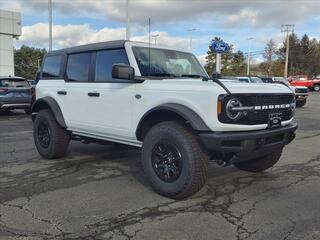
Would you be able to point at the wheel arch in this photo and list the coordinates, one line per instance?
(49, 103)
(167, 112)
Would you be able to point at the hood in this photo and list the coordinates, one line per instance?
(196, 84)
(238, 87)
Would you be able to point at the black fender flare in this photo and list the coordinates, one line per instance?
(186, 113)
(49, 102)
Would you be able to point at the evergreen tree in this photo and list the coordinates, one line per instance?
(233, 63)
(26, 60)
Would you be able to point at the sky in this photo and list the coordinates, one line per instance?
(78, 22)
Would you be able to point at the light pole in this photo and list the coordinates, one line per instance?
(50, 24)
(190, 35)
(248, 57)
(155, 38)
(127, 20)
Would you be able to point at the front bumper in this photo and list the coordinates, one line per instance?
(250, 144)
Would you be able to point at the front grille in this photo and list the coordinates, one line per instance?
(258, 116)
(301, 90)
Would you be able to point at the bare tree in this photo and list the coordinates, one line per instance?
(269, 56)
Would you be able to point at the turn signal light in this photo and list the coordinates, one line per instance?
(219, 107)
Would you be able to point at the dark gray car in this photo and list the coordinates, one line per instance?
(15, 93)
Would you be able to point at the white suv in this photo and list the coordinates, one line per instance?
(160, 100)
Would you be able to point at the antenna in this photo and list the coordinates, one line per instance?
(149, 45)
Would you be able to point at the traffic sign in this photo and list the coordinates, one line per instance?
(219, 46)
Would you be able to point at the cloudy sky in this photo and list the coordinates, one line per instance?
(85, 21)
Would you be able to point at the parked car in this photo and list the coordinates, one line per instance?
(301, 92)
(15, 93)
(161, 100)
(303, 80)
(250, 79)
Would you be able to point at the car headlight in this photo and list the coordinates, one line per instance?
(231, 109)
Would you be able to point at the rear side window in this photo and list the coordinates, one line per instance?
(78, 67)
(13, 83)
(51, 66)
(105, 60)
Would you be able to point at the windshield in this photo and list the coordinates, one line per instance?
(167, 63)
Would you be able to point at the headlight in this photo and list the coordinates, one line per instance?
(231, 111)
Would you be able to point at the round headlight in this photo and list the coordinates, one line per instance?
(231, 113)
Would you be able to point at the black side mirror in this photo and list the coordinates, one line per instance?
(122, 71)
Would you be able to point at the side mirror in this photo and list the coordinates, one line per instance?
(123, 71)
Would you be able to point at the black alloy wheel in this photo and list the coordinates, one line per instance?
(166, 161)
(44, 134)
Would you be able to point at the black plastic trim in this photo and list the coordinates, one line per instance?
(189, 115)
(53, 106)
(248, 143)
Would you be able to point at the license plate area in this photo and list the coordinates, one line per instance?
(274, 120)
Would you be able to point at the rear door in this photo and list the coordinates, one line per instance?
(14, 91)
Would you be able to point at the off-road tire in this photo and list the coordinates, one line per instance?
(260, 164)
(59, 137)
(193, 156)
(316, 87)
(300, 103)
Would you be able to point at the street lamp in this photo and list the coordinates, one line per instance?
(190, 35)
(249, 53)
(50, 24)
(127, 20)
(155, 38)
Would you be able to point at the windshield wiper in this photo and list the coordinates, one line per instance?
(163, 74)
(194, 76)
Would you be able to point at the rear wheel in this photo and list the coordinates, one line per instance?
(260, 164)
(173, 160)
(316, 87)
(50, 138)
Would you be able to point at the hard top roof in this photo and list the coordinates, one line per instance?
(91, 47)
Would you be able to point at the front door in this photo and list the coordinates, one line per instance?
(98, 104)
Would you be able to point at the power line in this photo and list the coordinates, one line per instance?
(286, 29)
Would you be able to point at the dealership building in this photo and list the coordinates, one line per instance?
(10, 27)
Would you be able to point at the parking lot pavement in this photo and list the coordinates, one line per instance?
(99, 192)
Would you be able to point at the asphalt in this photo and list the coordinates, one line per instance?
(100, 192)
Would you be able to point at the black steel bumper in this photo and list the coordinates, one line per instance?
(250, 144)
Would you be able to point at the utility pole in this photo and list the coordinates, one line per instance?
(190, 35)
(155, 38)
(249, 55)
(127, 20)
(50, 24)
(287, 29)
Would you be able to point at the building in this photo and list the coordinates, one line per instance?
(10, 27)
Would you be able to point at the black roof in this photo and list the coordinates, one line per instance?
(91, 47)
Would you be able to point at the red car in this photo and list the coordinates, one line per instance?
(303, 80)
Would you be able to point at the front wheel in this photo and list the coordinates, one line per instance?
(260, 164)
(316, 87)
(50, 138)
(173, 160)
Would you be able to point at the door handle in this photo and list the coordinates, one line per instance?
(62, 92)
(94, 94)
